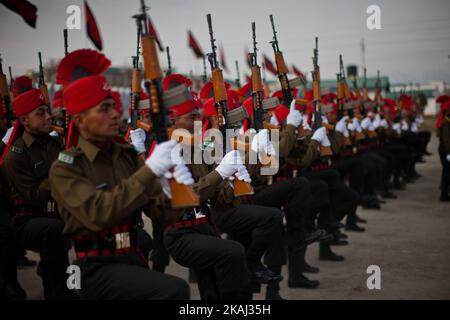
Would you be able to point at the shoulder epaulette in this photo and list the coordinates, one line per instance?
(67, 157)
(16, 149)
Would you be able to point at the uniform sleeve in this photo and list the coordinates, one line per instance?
(207, 186)
(288, 140)
(21, 177)
(336, 139)
(99, 209)
(312, 154)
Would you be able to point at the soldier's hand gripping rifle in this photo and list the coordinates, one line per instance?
(324, 151)
(220, 100)
(4, 92)
(182, 195)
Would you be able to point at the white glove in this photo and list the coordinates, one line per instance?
(365, 123)
(405, 126)
(351, 126)
(243, 175)
(384, 124)
(414, 127)
(377, 121)
(306, 126)
(396, 127)
(160, 161)
(326, 142)
(138, 139)
(7, 135)
(324, 119)
(229, 164)
(341, 126)
(320, 135)
(274, 121)
(294, 117)
(261, 143)
(181, 174)
(357, 125)
(448, 157)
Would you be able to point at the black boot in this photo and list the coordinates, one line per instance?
(306, 268)
(326, 254)
(302, 282)
(15, 291)
(273, 288)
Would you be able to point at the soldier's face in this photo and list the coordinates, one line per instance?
(99, 123)
(186, 121)
(331, 117)
(38, 121)
(145, 117)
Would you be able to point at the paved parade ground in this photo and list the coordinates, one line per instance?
(409, 239)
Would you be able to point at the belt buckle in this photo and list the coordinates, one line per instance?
(122, 240)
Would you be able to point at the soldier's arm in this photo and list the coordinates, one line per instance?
(207, 186)
(336, 139)
(312, 154)
(21, 177)
(100, 209)
(288, 140)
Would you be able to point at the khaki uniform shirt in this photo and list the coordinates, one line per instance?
(97, 190)
(26, 168)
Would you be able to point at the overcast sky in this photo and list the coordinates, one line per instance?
(413, 44)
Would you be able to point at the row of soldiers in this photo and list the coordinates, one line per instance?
(85, 187)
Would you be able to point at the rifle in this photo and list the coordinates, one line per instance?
(66, 46)
(64, 129)
(238, 77)
(341, 97)
(169, 63)
(378, 91)
(182, 195)
(265, 86)
(281, 67)
(220, 98)
(136, 89)
(42, 84)
(204, 76)
(11, 79)
(324, 151)
(257, 88)
(6, 97)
